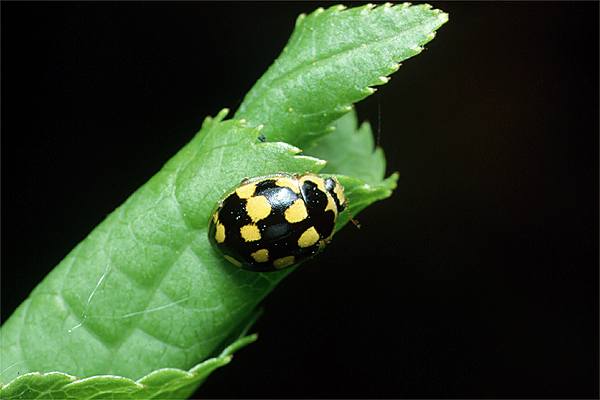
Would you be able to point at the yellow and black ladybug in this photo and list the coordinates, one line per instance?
(272, 222)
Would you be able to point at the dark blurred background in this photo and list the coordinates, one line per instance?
(478, 278)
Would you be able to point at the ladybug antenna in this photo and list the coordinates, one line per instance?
(355, 222)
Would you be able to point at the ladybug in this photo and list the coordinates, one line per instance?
(273, 222)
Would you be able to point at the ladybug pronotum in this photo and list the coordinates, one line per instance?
(273, 222)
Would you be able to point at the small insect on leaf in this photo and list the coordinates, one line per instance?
(273, 222)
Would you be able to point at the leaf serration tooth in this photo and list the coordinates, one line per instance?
(344, 108)
(221, 114)
(394, 67)
(367, 8)
(369, 90)
(300, 19)
(416, 48)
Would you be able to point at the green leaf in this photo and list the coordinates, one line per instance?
(133, 310)
(350, 150)
(165, 383)
(332, 60)
(359, 165)
(145, 290)
(362, 194)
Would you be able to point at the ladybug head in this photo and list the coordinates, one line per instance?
(336, 190)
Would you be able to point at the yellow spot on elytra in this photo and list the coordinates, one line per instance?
(309, 237)
(283, 262)
(339, 192)
(233, 261)
(331, 204)
(250, 233)
(246, 191)
(258, 208)
(215, 217)
(220, 233)
(288, 183)
(261, 255)
(296, 212)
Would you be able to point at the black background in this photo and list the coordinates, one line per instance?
(478, 278)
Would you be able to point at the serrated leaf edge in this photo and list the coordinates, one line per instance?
(216, 362)
(371, 87)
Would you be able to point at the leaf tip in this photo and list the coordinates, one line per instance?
(393, 178)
